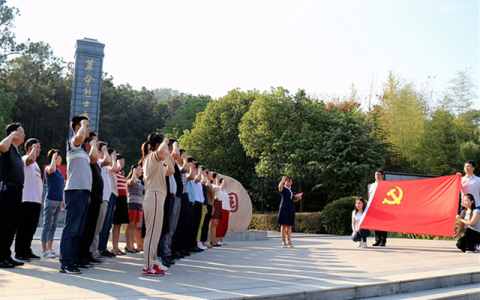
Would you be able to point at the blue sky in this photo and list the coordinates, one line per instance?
(211, 47)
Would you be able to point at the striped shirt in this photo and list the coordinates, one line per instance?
(121, 183)
(135, 192)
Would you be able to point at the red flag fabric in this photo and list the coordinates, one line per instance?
(423, 206)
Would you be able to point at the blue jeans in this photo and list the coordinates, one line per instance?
(51, 212)
(107, 224)
(361, 235)
(76, 206)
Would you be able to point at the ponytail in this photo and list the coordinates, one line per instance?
(144, 152)
(152, 140)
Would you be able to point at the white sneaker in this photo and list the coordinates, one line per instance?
(224, 243)
(160, 265)
(468, 251)
(201, 246)
(220, 243)
(359, 244)
(364, 244)
(48, 254)
(53, 252)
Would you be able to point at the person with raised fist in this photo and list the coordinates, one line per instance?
(12, 177)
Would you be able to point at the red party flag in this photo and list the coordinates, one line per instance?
(422, 206)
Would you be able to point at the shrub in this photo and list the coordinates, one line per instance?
(267, 222)
(304, 222)
(308, 223)
(337, 216)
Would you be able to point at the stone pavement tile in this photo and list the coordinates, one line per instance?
(247, 269)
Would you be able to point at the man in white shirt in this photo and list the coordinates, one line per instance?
(31, 202)
(470, 182)
(380, 236)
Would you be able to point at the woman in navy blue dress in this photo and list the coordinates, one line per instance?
(286, 214)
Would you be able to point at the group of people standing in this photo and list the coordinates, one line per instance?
(170, 202)
(468, 218)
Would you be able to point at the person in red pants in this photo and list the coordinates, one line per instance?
(222, 226)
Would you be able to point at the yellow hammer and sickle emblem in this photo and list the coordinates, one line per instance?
(396, 199)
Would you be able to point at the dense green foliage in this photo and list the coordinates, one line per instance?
(330, 145)
(214, 139)
(337, 216)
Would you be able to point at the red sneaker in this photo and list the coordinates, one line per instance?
(152, 271)
(158, 269)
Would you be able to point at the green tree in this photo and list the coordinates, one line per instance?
(184, 117)
(402, 114)
(7, 101)
(214, 142)
(42, 92)
(8, 44)
(164, 93)
(460, 93)
(326, 149)
(127, 117)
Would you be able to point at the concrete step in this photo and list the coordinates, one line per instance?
(467, 292)
(401, 289)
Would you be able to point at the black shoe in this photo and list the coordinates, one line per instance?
(214, 245)
(6, 265)
(166, 264)
(168, 261)
(382, 245)
(200, 249)
(184, 253)
(194, 250)
(70, 270)
(171, 258)
(108, 254)
(84, 266)
(22, 258)
(33, 256)
(93, 261)
(376, 244)
(15, 262)
(177, 253)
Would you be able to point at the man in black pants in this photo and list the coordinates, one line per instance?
(86, 239)
(196, 205)
(31, 202)
(179, 245)
(380, 236)
(12, 177)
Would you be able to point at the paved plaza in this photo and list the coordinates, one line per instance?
(247, 269)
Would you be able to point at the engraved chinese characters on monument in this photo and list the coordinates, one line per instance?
(241, 213)
(87, 80)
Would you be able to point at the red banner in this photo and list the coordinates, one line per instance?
(423, 206)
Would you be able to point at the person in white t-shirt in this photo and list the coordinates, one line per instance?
(359, 235)
(380, 236)
(469, 219)
(219, 197)
(470, 182)
(31, 202)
